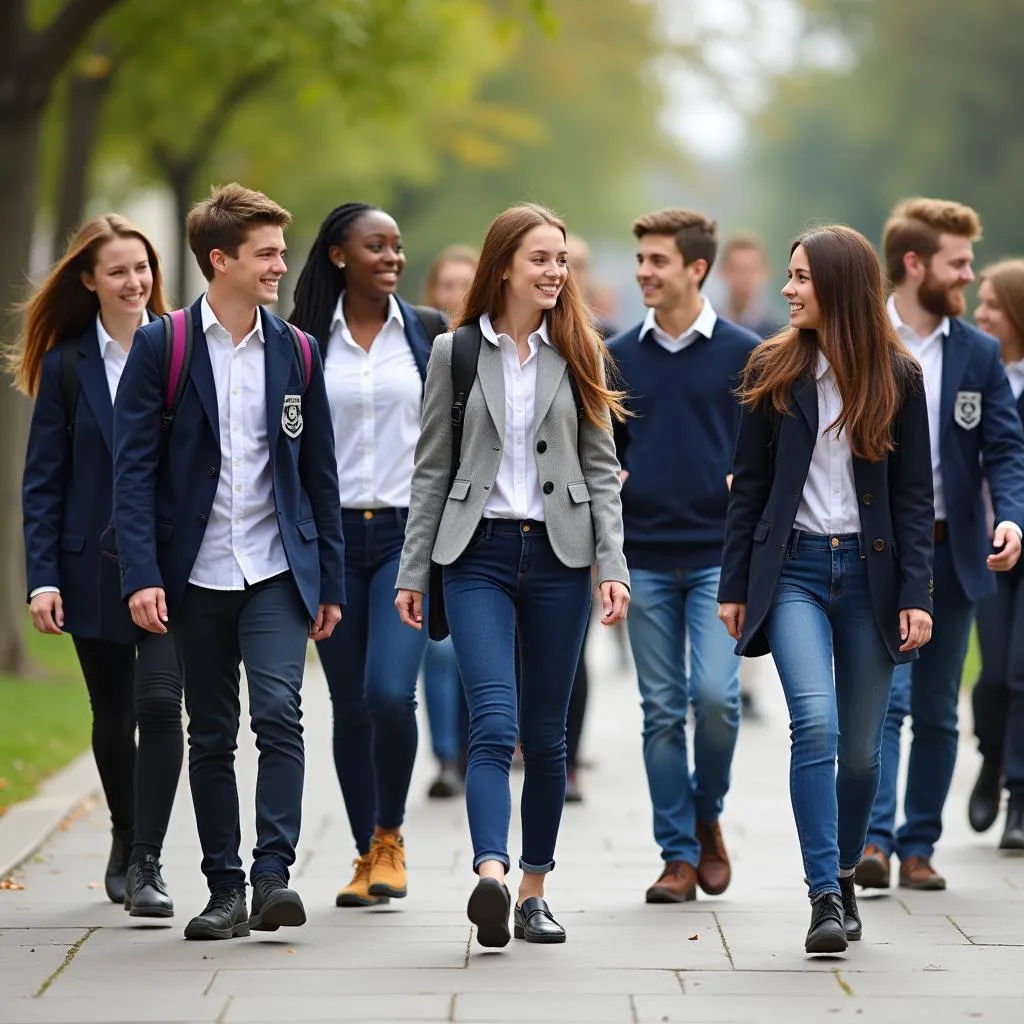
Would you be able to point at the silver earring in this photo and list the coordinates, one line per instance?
(341, 266)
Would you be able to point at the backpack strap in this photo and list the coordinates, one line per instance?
(69, 382)
(303, 352)
(178, 346)
(433, 321)
(465, 356)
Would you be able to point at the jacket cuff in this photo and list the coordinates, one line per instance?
(134, 580)
(915, 597)
(410, 580)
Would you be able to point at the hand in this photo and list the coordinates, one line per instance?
(734, 616)
(915, 628)
(47, 611)
(149, 609)
(728, 481)
(614, 602)
(623, 475)
(327, 617)
(1007, 543)
(410, 608)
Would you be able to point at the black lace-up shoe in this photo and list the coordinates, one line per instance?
(851, 915)
(275, 905)
(225, 917)
(145, 894)
(826, 934)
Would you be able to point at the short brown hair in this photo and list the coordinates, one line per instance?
(915, 225)
(745, 242)
(696, 235)
(224, 220)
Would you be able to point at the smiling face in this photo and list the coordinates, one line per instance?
(804, 311)
(122, 278)
(372, 255)
(538, 269)
(942, 279)
(254, 273)
(666, 281)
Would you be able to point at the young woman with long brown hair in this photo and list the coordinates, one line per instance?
(534, 503)
(78, 330)
(828, 546)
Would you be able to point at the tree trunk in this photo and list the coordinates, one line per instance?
(180, 181)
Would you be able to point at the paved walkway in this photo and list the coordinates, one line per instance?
(67, 956)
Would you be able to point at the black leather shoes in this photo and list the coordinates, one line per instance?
(225, 917)
(447, 784)
(274, 905)
(851, 915)
(145, 894)
(488, 908)
(534, 923)
(117, 864)
(1013, 833)
(826, 934)
(983, 807)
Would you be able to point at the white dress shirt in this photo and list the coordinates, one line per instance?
(828, 504)
(516, 492)
(376, 397)
(1015, 374)
(702, 327)
(242, 543)
(114, 356)
(928, 352)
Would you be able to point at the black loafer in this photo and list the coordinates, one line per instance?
(225, 917)
(488, 908)
(851, 915)
(826, 934)
(275, 905)
(534, 922)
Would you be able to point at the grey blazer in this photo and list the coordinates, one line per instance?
(582, 510)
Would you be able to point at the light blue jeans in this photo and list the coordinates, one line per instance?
(665, 607)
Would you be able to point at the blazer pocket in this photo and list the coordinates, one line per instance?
(73, 542)
(579, 492)
(761, 531)
(460, 490)
(307, 529)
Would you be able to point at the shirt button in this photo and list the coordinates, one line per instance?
(238, 487)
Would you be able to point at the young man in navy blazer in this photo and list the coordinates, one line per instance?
(229, 534)
(975, 432)
(680, 368)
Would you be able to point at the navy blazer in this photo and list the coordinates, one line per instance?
(67, 493)
(991, 446)
(164, 491)
(896, 513)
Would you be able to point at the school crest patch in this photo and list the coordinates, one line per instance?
(291, 415)
(967, 409)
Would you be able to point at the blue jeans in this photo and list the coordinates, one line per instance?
(836, 673)
(443, 692)
(927, 690)
(664, 607)
(508, 579)
(266, 627)
(372, 663)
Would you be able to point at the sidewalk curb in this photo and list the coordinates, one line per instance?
(27, 825)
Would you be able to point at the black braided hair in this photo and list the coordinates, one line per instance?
(321, 282)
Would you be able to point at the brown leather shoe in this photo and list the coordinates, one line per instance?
(918, 873)
(873, 871)
(677, 884)
(714, 872)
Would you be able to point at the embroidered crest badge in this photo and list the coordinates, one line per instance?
(967, 409)
(291, 415)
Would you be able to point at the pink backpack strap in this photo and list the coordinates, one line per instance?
(304, 352)
(177, 355)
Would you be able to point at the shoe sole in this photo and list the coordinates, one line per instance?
(870, 874)
(933, 885)
(134, 911)
(351, 900)
(204, 932)
(488, 909)
(383, 890)
(664, 896)
(282, 912)
(834, 941)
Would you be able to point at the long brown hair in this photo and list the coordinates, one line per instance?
(63, 307)
(871, 365)
(1007, 280)
(570, 325)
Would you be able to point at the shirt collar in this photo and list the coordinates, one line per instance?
(210, 320)
(104, 335)
(908, 332)
(704, 325)
(394, 313)
(487, 330)
(822, 366)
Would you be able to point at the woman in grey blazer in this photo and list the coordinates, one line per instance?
(533, 505)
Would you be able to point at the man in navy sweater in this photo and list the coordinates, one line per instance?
(680, 368)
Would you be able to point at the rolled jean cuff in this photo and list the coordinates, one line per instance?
(531, 869)
(821, 890)
(502, 858)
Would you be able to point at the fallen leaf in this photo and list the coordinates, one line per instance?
(11, 885)
(289, 952)
(694, 938)
(94, 885)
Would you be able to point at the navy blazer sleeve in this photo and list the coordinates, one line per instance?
(1002, 444)
(318, 468)
(912, 501)
(45, 479)
(748, 497)
(138, 410)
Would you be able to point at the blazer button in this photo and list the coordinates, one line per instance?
(542, 446)
(868, 498)
(548, 487)
(201, 519)
(879, 545)
(211, 470)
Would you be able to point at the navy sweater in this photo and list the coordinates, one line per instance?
(678, 446)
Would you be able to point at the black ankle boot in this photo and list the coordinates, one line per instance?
(1013, 833)
(117, 864)
(851, 915)
(826, 934)
(145, 892)
(983, 806)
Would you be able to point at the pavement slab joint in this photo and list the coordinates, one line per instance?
(841, 981)
(725, 944)
(68, 957)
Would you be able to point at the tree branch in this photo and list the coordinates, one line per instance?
(13, 27)
(52, 48)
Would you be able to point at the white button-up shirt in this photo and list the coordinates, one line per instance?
(114, 357)
(828, 504)
(516, 493)
(242, 543)
(1015, 373)
(928, 352)
(376, 397)
(702, 327)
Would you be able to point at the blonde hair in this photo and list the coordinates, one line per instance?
(915, 225)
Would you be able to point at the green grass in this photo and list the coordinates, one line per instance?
(972, 663)
(44, 717)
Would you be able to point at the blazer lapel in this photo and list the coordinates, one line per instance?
(92, 379)
(551, 368)
(201, 370)
(279, 357)
(492, 382)
(805, 393)
(954, 362)
(416, 336)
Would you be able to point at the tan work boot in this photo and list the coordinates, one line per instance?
(357, 892)
(387, 864)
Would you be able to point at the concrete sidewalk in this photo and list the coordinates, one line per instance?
(67, 956)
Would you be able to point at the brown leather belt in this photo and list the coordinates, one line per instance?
(940, 531)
